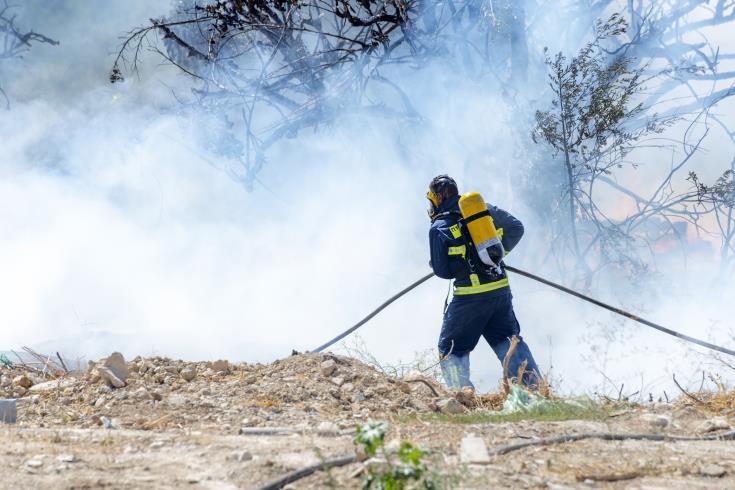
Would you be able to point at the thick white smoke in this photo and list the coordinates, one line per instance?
(121, 233)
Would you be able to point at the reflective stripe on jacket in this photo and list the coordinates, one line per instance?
(448, 253)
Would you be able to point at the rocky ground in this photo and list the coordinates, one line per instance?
(160, 423)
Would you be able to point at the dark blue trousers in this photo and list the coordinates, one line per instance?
(470, 317)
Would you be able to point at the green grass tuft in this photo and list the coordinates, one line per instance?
(557, 412)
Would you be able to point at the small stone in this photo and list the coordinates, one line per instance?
(23, 381)
(157, 444)
(109, 423)
(111, 378)
(156, 396)
(100, 402)
(450, 406)
(188, 374)
(142, 394)
(338, 380)
(66, 458)
(713, 470)
(358, 397)
(220, 366)
(328, 429)
(176, 400)
(347, 387)
(714, 424)
(328, 367)
(656, 420)
(240, 456)
(472, 450)
(5, 381)
(34, 463)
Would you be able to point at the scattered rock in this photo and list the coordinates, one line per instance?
(108, 423)
(142, 394)
(220, 366)
(714, 424)
(466, 396)
(157, 444)
(54, 384)
(23, 381)
(713, 470)
(328, 367)
(240, 456)
(338, 380)
(328, 429)
(176, 400)
(656, 420)
(472, 450)
(34, 463)
(115, 362)
(66, 458)
(450, 406)
(111, 378)
(188, 374)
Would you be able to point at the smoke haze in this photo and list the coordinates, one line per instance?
(121, 232)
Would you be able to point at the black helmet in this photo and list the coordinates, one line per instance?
(440, 185)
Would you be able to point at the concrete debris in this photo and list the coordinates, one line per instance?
(115, 362)
(450, 406)
(188, 374)
(220, 366)
(108, 375)
(240, 456)
(328, 367)
(54, 384)
(34, 463)
(656, 420)
(714, 424)
(472, 450)
(713, 470)
(8, 411)
(329, 429)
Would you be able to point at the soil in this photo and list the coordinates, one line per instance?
(216, 425)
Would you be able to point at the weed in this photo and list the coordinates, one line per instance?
(401, 468)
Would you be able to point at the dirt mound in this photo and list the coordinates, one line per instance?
(155, 393)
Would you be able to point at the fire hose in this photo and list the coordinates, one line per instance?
(554, 285)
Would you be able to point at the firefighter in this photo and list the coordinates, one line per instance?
(482, 301)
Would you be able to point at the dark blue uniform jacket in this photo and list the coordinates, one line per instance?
(454, 266)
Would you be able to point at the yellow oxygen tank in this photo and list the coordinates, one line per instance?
(482, 230)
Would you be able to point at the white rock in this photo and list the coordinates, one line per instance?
(472, 450)
(328, 367)
(240, 456)
(713, 470)
(338, 380)
(34, 463)
(66, 458)
(714, 424)
(176, 400)
(157, 444)
(326, 428)
(54, 384)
